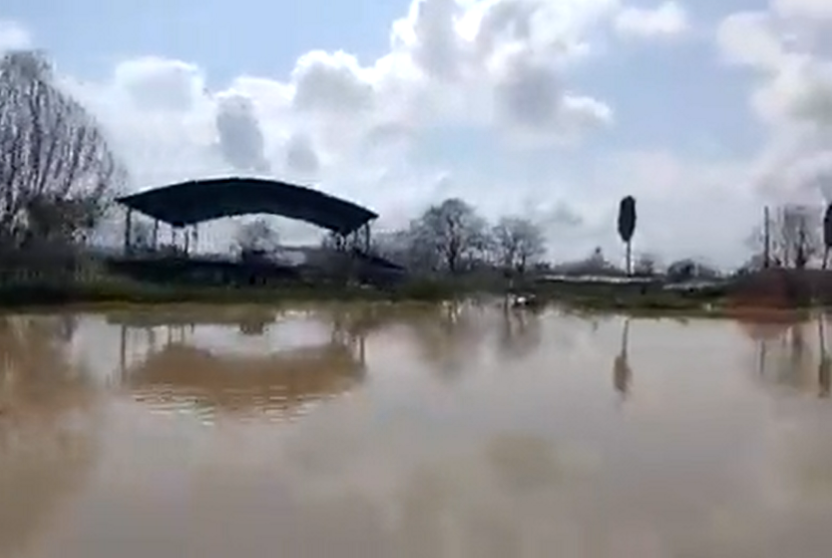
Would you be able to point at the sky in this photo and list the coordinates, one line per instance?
(704, 111)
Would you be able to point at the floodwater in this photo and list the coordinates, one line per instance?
(392, 432)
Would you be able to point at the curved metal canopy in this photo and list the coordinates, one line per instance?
(195, 201)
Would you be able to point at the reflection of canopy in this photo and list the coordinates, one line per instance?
(233, 315)
(280, 382)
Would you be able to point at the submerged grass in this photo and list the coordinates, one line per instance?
(110, 291)
(115, 291)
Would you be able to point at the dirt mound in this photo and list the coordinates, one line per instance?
(781, 288)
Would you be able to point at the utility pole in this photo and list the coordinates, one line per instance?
(766, 239)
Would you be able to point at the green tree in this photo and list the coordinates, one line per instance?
(627, 226)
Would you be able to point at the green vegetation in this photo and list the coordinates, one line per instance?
(633, 298)
(58, 178)
(42, 292)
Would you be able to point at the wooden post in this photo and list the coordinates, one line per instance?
(766, 238)
(629, 259)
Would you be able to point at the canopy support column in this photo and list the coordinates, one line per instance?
(367, 239)
(128, 231)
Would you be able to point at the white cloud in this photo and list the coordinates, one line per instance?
(668, 19)
(498, 65)
(792, 95)
(502, 67)
(530, 96)
(332, 83)
(747, 38)
(13, 35)
(240, 137)
(810, 9)
(158, 84)
(300, 155)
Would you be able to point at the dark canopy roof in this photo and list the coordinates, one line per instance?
(202, 200)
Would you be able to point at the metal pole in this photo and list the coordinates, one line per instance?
(128, 228)
(766, 238)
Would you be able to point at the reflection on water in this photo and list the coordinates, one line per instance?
(520, 332)
(621, 372)
(43, 455)
(792, 353)
(179, 375)
(380, 430)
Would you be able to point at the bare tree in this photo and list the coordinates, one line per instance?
(257, 236)
(403, 247)
(594, 264)
(688, 269)
(57, 173)
(518, 243)
(356, 240)
(645, 265)
(453, 232)
(795, 235)
(333, 241)
(141, 235)
(797, 232)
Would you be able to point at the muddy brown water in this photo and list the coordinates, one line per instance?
(371, 431)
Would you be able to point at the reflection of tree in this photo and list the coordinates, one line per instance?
(448, 335)
(764, 329)
(34, 360)
(825, 365)
(520, 332)
(785, 356)
(792, 359)
(621, 372)
(41, 460)
(360, 321)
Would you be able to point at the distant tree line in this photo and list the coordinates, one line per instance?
(58, 177)
(452, 237)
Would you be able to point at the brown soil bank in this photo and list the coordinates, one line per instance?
(782, 288)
